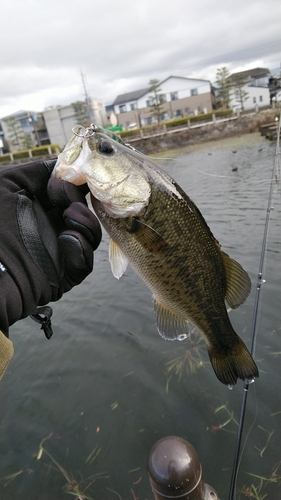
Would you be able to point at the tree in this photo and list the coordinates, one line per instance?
(81, 113)
(156, 100)
(241, 95)
(16, 135)
(224, 85)
(26, 141)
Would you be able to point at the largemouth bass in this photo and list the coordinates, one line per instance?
(155, 226)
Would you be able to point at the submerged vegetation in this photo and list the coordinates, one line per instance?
(257, 491)
(190, 359)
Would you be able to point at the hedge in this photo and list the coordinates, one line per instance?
(136, 131)
(4, 158)
(199, 118)
(220, 113)
(43, 150)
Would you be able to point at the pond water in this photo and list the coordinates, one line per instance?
(97, 396)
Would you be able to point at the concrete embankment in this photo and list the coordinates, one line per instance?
(212, 132)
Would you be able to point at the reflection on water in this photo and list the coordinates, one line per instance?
(106, 387)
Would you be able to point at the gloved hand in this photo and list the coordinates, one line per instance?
(47, 238)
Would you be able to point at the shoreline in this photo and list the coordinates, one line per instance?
(244, 130)
(233, 142)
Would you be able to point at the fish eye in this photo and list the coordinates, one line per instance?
(106, 148)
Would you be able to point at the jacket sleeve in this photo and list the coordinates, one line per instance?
(6, 352)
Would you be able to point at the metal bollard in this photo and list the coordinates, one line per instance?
(175, 471)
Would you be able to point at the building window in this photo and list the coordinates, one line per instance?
(193, 92)
(133, 106)
(186, 110)
(174, 96)
(165, 116)
(162, 98)
(177, 113)
(122, 108)
(254, 100)
(149, 102)
(260, 98)
(24, 122)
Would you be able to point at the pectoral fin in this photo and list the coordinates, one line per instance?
(147, 237)
(117, 259)
(170, 326)
(238, 282)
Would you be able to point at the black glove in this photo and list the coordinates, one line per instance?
(47, 238)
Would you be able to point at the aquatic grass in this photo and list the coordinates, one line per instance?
(269, 436)
(115, 492)
(93, 455)
(10, 477)
(230, 418)
(257, 491)
(72, 486)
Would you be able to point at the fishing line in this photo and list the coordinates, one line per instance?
(260, 281)
(212, 175)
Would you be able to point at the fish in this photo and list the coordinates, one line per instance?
(156, 228)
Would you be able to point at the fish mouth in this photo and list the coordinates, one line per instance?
(69, 174)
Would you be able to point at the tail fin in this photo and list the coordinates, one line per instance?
(237, 363)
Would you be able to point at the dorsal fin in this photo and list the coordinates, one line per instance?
(170, 326)
(238, 282)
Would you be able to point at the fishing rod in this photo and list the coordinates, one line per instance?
(260, 281)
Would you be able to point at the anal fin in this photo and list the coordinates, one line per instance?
(170, 326)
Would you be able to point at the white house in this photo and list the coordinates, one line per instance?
(181, 97)
(256, 86)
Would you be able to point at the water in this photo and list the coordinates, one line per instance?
(103, 390)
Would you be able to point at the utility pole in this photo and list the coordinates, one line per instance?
(87, 100)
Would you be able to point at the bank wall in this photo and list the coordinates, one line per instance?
(211, 132)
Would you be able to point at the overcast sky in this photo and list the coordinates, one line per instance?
(121, 44)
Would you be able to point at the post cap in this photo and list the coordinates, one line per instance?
(174, 468)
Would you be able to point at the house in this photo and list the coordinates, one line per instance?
(111, 119)
(180, 96)
(253, 84)
(257, 77)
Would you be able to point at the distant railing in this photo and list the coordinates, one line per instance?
(163, 128)
(47, 150)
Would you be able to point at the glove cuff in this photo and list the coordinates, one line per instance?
(6, 352)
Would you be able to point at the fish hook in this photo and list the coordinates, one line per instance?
(81, 131)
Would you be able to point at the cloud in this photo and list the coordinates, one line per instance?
(121, 45)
